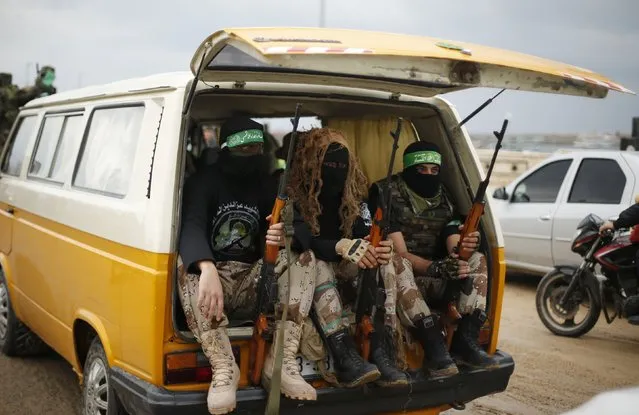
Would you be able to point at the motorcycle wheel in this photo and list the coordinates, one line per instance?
(549, 290)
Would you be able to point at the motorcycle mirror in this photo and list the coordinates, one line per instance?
(500, 194)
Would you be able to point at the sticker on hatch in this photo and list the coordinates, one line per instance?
(309, 370)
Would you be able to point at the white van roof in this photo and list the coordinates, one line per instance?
(170, 80)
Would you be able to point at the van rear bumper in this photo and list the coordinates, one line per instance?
(140, 397)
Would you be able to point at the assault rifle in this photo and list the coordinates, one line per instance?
(477, 210)
(471, 224)
(267, 290)
(368, 292)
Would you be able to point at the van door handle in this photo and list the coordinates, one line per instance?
(10, 210)
(545, 217)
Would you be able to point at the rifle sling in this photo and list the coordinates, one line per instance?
(273, 402)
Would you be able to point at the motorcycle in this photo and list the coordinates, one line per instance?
(606, 276)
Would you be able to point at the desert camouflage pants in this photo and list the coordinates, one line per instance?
(239, 284)
(402, 294)
(471, 298)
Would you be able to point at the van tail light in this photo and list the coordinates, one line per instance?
(187, 367)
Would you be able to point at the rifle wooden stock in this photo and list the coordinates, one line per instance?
(477, 210)
(450, 320)
(376, 230)
(363, 335)
(258, 349)
(267, 286)
(367, 292)
(271, 253)
(470, 225)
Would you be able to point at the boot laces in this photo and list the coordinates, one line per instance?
(222, 370)
(290, 354)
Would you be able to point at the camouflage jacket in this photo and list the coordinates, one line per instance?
(424, 230)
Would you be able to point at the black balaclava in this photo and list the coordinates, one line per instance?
(421, 152)
(239, 131)
(334, 174)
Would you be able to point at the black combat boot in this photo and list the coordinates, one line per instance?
(437, 361)
(351, 370)
(382, 355)
(466, 341)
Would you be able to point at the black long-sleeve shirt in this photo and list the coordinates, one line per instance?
(323, 245)
(224, 220)
(628, 218)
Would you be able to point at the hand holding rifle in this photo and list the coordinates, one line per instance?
(267, 290)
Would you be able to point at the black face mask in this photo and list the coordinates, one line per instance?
(334, 172)
(243, 167)
(425, 185)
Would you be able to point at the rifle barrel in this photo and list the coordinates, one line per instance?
(386, 198)
(281, 191)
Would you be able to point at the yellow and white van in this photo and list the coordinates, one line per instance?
(90, 194)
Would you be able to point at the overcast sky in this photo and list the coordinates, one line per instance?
(92, 42)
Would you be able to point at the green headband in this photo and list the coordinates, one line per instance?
(422, 157)
(243, 138)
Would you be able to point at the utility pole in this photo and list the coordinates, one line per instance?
(27, 78)
(322, 13)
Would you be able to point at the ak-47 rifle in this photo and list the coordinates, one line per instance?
(477, 210)
(471, 224)
(368, 292)
(267, 291)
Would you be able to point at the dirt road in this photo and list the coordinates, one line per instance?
(552, 374)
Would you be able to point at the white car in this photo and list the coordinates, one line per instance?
(539, 211)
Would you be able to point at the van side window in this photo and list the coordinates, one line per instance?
(598, 181)
(59, 136)
(106, 158)
(12, 163)
(543, 185)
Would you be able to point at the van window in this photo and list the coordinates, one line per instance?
(543, 185)
(15, 156)
(598, 181)
(59, 136)
(108, 151)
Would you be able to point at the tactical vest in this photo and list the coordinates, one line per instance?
(421, 232)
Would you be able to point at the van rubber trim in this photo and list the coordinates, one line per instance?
(140, 397)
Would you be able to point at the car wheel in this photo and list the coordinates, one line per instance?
(98, 397)
(16, 339)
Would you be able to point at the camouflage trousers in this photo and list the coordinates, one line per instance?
(239, 285)
(473, 291)
(402, 294)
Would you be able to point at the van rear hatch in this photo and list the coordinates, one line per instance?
(399, 64)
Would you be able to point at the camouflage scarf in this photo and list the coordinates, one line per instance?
(418, 203)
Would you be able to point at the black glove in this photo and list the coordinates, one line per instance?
(447, 268)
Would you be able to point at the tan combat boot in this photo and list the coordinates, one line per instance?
(293, 384)
(226, 374)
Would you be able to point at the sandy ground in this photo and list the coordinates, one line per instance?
(552, 374)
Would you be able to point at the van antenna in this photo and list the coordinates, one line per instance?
(481, 107)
